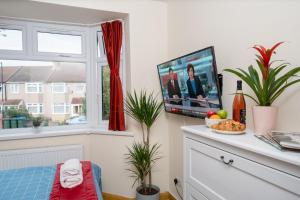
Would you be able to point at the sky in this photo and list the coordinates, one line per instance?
(47, 42)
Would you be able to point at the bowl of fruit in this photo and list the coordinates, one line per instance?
(213, 117)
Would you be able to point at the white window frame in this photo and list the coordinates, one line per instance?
(65, 108)
(39, 87)
(58, 29)
(89, 58)
(38, 106)
(14, 88)
(53, 85)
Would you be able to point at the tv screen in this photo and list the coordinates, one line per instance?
(189, 84)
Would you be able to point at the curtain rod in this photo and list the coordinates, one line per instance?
(95, 24)
(56, 22)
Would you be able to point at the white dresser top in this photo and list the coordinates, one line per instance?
(246, 141)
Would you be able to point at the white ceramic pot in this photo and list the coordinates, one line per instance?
(264, 119)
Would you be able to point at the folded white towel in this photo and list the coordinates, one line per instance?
(71, 181)
(71, 173)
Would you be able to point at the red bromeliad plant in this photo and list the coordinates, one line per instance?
(264, 58)
(271, 85)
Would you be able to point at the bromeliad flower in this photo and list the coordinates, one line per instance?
(264, 58)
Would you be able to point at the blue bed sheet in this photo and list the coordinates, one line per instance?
(35, 183)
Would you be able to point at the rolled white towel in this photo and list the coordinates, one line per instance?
(71, 167)
(71, 173)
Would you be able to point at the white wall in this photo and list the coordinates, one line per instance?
(233, 27)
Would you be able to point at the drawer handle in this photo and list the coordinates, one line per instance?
(227, 163)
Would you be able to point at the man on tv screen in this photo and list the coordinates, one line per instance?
(173, 88)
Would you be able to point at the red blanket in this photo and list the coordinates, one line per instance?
(84, 191)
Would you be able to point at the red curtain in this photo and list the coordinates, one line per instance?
(112, 33)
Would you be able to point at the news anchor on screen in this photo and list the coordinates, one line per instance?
(194, 86)
(173, 88)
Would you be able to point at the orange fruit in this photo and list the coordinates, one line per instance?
(215, 117)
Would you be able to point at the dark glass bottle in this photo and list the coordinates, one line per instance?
(239, 105)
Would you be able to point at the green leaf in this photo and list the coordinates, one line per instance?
(141, 158)
(247, 78)
(282, 89)
(283, 79)
(247, 95)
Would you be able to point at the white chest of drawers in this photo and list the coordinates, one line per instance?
(240, 167)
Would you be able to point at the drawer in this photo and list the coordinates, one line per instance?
(207, 171)
(193, 194)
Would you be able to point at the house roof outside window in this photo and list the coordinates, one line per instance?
(66, 72)
(77, 100)
(12, 102)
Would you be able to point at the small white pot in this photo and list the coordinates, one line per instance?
(264, 119)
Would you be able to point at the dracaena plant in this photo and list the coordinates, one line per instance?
(145, 109)
(269, 81)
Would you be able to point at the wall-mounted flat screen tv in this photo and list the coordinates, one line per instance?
(190, 85)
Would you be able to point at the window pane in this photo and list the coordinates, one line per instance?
(67, 109)
(58, 87)
(34, 81)
(41, 108)
(35, 108)
(100, 45)
(14, 88)
(59, 108)
(101, 52)
(105, 92)
(59, 43)
(79, 88)
(11, 39)
(34, 87)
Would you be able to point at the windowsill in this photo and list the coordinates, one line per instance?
(58, 133)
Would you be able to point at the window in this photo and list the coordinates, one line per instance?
(100, 45)
(105, 73)
(34, 108)
(14, 88)
(79, 88)
(33, 87)
(61, 108)
(57, 71)
(59, 43)
(11, 39)
(58, 88)
(37, 83)
(101, 52)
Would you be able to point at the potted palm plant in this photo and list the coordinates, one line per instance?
(145, 109)
(267, 87)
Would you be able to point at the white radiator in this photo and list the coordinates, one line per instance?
(12, 159)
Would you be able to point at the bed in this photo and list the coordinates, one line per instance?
(35, 183)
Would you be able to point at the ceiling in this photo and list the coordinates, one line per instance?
(57, 13)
